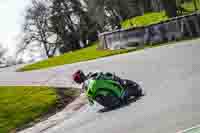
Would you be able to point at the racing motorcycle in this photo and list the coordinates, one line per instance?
(112, 93)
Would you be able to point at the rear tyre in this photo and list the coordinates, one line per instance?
(109, 101)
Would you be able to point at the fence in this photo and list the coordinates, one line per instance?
(172, 29)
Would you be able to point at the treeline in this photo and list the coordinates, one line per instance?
(67, 25)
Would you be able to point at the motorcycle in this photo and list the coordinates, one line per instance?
(112, 93)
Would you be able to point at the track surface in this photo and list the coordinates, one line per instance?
(170, 76)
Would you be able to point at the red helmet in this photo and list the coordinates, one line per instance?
(79, 77)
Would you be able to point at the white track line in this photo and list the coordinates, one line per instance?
(186, 130)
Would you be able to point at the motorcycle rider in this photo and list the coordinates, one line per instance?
(80, 77)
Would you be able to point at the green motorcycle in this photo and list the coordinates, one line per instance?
(112, 93)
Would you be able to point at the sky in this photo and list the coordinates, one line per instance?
(11, 19)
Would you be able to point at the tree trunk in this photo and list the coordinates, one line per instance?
(195, 5)
(170, 7)
(147, 5)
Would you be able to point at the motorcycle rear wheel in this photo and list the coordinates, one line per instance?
(109, 101)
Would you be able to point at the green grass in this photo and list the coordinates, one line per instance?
(189, 6)
(146, 19)
(154, 17)
(19, 105)
(85, 54)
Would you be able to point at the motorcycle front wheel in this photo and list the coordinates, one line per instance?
(133, 88)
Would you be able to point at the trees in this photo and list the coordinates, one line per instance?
(96, 12)
(104, 13)
(72, 23)
(3, 51)
(63, 24)
(58, 24)
(37, 28)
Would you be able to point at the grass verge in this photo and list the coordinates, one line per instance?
(155, 17)
(89, 54)
(21, 105)
(190, 6)
(146, 19)
(85, 54)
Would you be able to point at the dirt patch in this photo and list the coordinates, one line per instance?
(77, 104)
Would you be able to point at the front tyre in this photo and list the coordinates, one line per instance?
(133, 88)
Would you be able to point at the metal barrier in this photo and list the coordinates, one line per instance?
(172, 29)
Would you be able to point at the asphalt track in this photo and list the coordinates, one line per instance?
(169, 75)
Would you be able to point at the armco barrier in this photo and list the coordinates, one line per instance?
(172, 29)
